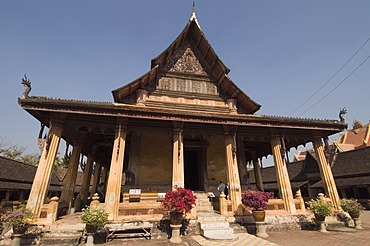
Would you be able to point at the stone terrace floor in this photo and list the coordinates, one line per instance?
(288, 238)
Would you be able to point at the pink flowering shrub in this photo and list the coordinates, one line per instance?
(256, 199)
(17, 217)
(179, 200)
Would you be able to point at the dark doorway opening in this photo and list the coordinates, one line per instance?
(192, 170)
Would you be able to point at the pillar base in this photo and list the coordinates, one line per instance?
(175, 238)
(261, 230)
(90, 239)
(17, 239)
(322, 226)
(358, 224)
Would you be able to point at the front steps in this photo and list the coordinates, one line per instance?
(61, 237)
(62, 234)
(213, 226)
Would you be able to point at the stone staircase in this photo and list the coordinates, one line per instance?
(212, 224)
(203, 203)
(62, 234)
(67, 231)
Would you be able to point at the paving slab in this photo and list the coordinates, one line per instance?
(347, 237)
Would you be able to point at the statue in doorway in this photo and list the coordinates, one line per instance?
(130, 178)
(101, 192)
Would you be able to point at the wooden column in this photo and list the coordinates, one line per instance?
(282, 176)
(178, 178)
(115, 174)
(326, 173)
(7, 195)
(42, 177)
(96, 179)
(242, 162)
(86, 178)
(69, 181)
(257, 171)
(232, 168)
(104, 176)
(21, 195)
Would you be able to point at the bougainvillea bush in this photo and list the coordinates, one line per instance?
(256, 199)
(18, 217)
(179, 200)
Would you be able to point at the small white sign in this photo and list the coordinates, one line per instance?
(161, 195)
(134, 192)
(210, 194)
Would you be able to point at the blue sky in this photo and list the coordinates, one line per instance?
(279, 52)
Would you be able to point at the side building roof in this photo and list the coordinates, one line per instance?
(16, 175)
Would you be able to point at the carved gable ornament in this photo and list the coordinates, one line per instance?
(186, 62)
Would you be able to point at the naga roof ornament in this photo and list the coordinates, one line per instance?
(27, 85)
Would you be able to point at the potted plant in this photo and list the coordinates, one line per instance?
(320, 209)
(178, 202)
(353, 208)
(94, 218)
(18, 219)
(257, 201)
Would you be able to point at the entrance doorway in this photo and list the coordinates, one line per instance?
(192, 166)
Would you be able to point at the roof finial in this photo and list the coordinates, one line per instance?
(193, 17)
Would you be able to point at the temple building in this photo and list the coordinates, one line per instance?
(183, 123)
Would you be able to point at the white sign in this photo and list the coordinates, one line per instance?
(210, 194)
(161, 195)
(134, 192)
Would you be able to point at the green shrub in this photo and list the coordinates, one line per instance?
(94, 216)
(320, 207)
(351, 206)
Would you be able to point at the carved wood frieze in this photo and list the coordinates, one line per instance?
(187, 85)
(185, 61)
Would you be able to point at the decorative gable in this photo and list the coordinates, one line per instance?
(185, 61)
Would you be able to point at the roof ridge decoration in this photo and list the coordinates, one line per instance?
(27, 87)
(193, 17)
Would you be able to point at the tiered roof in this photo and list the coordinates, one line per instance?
(218, 72)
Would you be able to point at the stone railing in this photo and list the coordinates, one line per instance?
(321, 196)
(145, 196)
(278, 204)
(95, 201)
(49, 212)
(273, 205)
(140, 208)
(225, 206)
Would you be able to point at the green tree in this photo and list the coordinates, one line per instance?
(357, 124)
(16, 152)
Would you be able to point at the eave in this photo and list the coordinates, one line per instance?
(39, 106)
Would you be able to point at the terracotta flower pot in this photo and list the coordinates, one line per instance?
(176, 218)
(259, 215)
